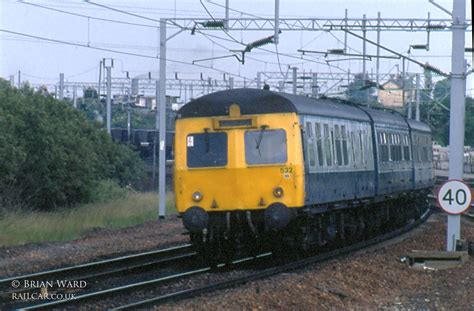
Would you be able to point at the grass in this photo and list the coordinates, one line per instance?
(31, 227)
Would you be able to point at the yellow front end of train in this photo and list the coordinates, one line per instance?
(237, 163)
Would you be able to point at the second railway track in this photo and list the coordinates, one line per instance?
(27, 284)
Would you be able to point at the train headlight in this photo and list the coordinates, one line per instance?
(278, 192)
(197, 196)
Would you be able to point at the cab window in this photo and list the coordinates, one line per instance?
(206, 149)
(265, 146)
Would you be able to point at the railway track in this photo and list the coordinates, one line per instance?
(142, 298)
(93, 271)
(273, 270)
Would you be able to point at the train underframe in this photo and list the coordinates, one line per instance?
(312, 228)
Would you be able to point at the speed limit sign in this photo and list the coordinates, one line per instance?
(454, 197)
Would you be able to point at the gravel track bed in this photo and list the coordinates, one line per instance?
(370, 279)
(97, 244)
(182, 284)
(373, 279)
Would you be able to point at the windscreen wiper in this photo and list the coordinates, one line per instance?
(260, 137)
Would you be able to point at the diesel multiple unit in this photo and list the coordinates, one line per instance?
(255, 166)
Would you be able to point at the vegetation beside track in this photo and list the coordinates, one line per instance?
(128, 209)
(52, 156)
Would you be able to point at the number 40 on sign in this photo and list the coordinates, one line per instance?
(454, 197)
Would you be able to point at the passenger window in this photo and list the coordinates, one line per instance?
(319, 144)
(311, 151)
(344, 145)
(338, 145)
(327, 145)
(406, 148)
(355, 150)
(309, 129)
(362, 145)
(384, 153)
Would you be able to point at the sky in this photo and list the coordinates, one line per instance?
(41, 61)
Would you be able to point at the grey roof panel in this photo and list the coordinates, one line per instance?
(386, 117)
(420, 126)
(255, 101)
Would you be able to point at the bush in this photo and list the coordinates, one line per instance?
(51, 156)
(106, 191)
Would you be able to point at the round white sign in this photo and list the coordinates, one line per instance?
(454, 197)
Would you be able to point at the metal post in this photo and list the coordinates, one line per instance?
(277, 21)
(345, 33)
(231, 82)
(226, 22)
(403, 82)
(19, 79)
(281, 86)
(101, 63)
(162, 122)
(294, 80)
(109, 99)
(457, 111)
(61, 86)
(428, 33)
(364, 47)
(417, 109)
(377, 61)
(259, 80)
(74, 96)
(129, 122)
(314, 84)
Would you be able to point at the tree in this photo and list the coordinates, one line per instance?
(361, 91)
(51, 155)
(437, 114)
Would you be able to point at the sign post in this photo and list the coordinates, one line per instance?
(454, 197)
(457, 110)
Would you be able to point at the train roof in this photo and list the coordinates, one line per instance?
(420, 126)
(382, 117)
(257, 101)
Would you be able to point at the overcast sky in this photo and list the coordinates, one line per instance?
(41, 61)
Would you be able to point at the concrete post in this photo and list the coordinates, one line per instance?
(377, 61)
(314, 84)
(162, 122)
(418, 86)
(61, 86)
(457, 112)
(294, 80)
(109, 99)
(74, 96)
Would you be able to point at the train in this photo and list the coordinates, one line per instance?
(256, 168)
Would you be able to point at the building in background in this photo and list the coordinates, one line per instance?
(392, 93)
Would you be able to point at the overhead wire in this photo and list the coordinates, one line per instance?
(232, 38)
(87, 16)
(121, 11)
(116, 51)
